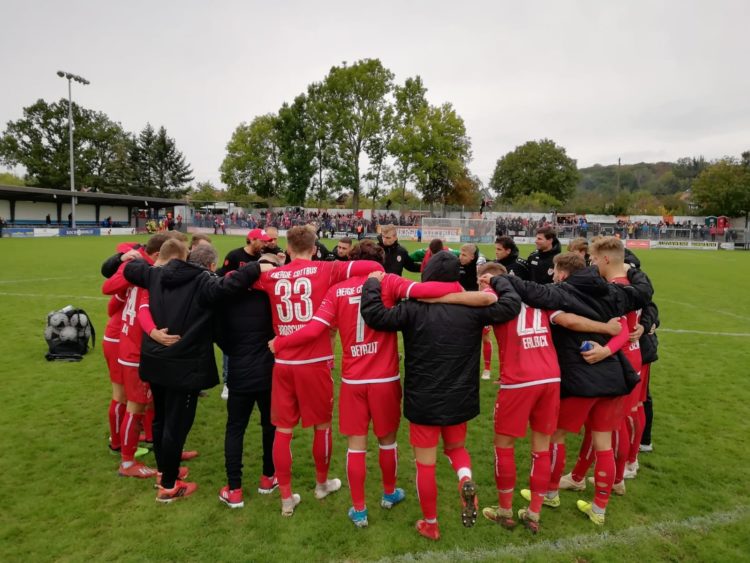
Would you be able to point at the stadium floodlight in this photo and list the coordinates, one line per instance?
(70, 77)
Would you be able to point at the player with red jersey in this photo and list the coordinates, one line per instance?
(302, 384)
(371, 384)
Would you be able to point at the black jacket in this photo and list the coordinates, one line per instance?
(587, 293)
(516, 266)
(540, 263)
(468, 274)
(649, 342)
(182, 299)
(397, 258)
(442, 345)
(235, 259)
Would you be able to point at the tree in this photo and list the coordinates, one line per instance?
(410, 102)
(440, 150)
(297, 148)
(158, 168)
(536, 166)
(723, 188)
(253, 161)
(322, 185)
(355, 106)
(10, 179)
(203, 193)
(39, 142)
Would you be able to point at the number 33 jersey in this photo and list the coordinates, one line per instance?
(296, 291)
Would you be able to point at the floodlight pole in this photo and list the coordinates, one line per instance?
(82, 80)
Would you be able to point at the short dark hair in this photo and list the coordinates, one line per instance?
(368, 250)
(154, 243)
(197, 237)
(548, 232)
(507, 242)
(436, 245)
(346, 240)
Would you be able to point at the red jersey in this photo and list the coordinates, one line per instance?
(527, 354)
(296, 290)
(371, 356)
(132, 333)
(114, 324)
(632, 350)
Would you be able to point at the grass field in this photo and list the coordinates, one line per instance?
(63, 501)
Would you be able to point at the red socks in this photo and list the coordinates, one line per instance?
(604, 477)
(621, 445)
(639, 420)
(505, 476)
(539, 479)
(388, 458)
(557, 464)
(585, 457)
(356, 472)
(282, 461)
(148, 424)
(487, 353)
(116, 413)
(129, 431)
(322, 443)
(427, 491)
(460, 461)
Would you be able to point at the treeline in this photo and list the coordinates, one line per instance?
(355, 132)
(107, 157)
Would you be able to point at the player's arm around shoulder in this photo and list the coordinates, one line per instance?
(375, 313)
(138, 272)
(508, 303)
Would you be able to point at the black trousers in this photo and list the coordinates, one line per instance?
(174, 413)
(648, 409)
(239, 408)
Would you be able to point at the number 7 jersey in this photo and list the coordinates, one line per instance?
(296, 291)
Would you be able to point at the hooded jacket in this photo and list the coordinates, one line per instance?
(182, 299)
(468, 273)
(442, 345)
(541, 264)
(516, 266)
(586, 293)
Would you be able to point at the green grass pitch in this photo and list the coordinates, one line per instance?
(62, 500)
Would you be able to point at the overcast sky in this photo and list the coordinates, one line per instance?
(644, 81)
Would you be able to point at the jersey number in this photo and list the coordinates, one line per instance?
(536, 326)
(360, 337)
(128, 311)
(287, 311)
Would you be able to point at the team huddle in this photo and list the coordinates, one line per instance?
(574, 348)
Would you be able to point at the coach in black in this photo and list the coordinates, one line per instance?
(257, 239)
(540, 262)
(506, 253)
(396, 256)
(182, 298)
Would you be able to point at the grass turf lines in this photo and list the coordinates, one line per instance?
(64, 501)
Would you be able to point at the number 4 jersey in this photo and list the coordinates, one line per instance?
(296, 291)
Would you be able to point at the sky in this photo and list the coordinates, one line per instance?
(643, 81)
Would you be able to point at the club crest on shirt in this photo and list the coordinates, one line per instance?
(398, 258)
(550, 271)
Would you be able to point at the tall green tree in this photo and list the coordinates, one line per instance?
(39, 142)
(536, 166)
(410, 102)
(159, 168)
(723, 188)
(356, 102)
(323, 185)
(253, 160)
(297, 149)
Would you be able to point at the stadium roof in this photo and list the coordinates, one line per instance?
(23, 193)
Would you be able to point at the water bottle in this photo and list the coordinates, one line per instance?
(586, 346)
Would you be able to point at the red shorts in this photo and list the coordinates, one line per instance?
(301, 391)
(645, 378)
(379, 402)
(634, 396)
(537, 405)
(136, 390)
(425, 436)
(111, 350)
(600, 414)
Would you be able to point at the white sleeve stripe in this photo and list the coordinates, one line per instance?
(349, 269)
(144, 305)
(554, 314)
(121, 299)
(408, 289)
(321, 321)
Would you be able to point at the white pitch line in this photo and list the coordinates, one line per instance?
(51, 295)
(693, 306)
(703, 332)
(34, 280)
(627, 537)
